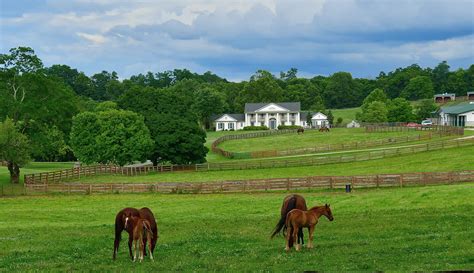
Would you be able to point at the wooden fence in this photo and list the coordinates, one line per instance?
(369, 127)
(335, 158)
(400, 127)
(77, 173)
(256, 185)
(227, 154)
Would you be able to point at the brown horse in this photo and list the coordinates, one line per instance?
(297, 219)
(300, 130)
(121, 224)
(324, 129)
(142, 236)
(292, 201)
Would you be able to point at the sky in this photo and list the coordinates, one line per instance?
(234, 39)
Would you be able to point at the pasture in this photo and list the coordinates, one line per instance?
(408, 229)
(452, 159)
(310, 138)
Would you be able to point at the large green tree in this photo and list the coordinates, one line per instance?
(262, 87)
(375, 112)
(14, 149)
(425, 109)
(208, 102)
(173, 124)
(400, 110)
(111, 136)
(419, 87)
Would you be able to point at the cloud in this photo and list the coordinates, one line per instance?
(238, 37)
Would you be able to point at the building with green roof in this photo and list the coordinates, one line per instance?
(457, 115)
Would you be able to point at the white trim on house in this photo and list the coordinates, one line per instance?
(271, 107)
(319, 120)
(226, 122)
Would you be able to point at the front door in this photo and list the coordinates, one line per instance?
(273, 124)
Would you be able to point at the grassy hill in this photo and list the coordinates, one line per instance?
(409, 229)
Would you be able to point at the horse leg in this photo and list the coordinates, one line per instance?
(311, 233)
(300, 236)
(130, 241)
(135, 249)
(295, 238)
(116, 245)
(289, 233)
(150, 244)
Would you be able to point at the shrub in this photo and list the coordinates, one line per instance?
(287, 127)
(255, 128)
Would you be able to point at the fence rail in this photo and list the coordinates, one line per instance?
(336, 158)
(369, 127)
(77, 173)
(403, 127)
(255, 185)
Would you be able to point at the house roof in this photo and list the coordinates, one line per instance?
(238, 117)
(458, 109)
(292, 106)
(319, 113)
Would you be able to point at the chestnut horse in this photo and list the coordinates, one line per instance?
(300, 130)
(142, 236)
(121, 224)
(324, 129)
(297, 219)
(292, 201)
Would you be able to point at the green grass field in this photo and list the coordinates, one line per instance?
(408, 229)
(451, 159)
(312, 138)
(347, 114)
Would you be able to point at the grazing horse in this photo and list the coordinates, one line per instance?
(292, 201)
(142, 236)
(300, 130)
(297, 219)
(324, 129)
(121, 223)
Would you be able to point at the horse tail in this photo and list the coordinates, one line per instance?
(281, 224)
(118, 234)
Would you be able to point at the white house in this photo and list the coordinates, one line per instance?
(458, 115)
(271, 115)
(353, 124)
(319, 120)
(230, 122)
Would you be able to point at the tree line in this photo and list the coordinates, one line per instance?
(64, 114)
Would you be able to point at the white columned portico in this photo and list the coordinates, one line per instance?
(278, 120)
(266, 120)
(288, 119)
(298, 122)
(246, 120)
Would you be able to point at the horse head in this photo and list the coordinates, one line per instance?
(328, 212)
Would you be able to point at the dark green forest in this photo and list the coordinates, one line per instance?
(44, 102)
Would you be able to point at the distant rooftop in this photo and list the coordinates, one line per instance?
(458, 109)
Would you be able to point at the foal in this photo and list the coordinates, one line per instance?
(297, 219)
(142, 236)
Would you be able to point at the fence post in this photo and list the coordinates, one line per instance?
(377, 181)
(401, 180)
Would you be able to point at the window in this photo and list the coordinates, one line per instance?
(220, 125)
(293, 123)
(262, 123)
(252, 123)
(231, 125)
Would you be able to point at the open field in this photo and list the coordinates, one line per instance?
(432, 161)
(347, 114)
(311, 138)
(417, 228)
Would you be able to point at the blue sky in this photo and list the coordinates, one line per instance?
(235, 38)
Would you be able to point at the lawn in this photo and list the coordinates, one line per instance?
(432, 161)
(311, 138)
(347, 114)
(408, 229)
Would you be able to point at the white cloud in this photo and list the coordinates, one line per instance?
(93, 38)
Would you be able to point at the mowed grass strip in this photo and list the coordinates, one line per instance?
(452, 159)
(310, 138)
(407, 229)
